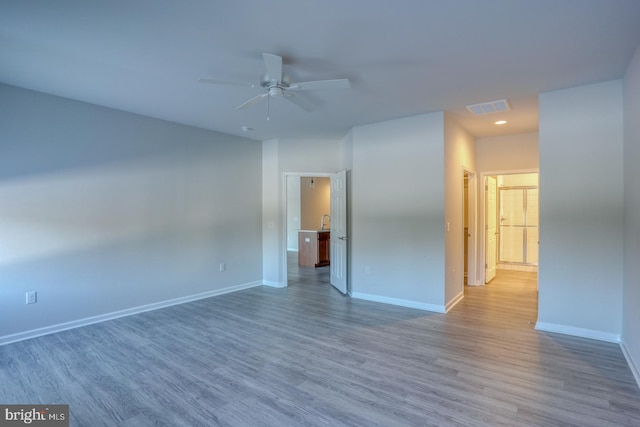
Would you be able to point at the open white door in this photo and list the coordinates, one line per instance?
(339, 234)
(490, 228)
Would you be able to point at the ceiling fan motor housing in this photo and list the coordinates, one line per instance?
(278, 84)
(276, 90)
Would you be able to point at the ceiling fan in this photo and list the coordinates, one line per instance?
(277, 84)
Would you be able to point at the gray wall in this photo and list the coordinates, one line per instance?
(460, 155)
(103, 211)
(397, 202)
(581, 214)
(631, 308)
(516, 152)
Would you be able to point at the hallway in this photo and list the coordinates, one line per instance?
(510, 300)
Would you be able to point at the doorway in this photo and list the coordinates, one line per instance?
(330, 232)
(308, 205)
(511, 213)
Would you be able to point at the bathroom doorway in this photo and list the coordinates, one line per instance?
(517, 222)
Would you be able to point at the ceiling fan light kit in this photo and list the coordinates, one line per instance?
(276, 84)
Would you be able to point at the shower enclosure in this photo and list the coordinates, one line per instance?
(518, 223)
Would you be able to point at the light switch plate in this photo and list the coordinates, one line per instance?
(32, 297)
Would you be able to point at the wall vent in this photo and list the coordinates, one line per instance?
(490, 107)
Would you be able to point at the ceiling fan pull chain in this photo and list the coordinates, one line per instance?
(268, 105)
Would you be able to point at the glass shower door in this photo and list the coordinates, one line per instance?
(532, 226)
(518, 225)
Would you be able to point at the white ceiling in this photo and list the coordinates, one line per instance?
(403, 57)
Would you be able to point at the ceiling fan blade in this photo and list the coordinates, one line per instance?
(321, 84)
(253, 101)
(225, 83)
(303, 103)
(273, 63)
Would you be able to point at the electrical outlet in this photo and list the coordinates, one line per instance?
(223, 266)
(32, 297)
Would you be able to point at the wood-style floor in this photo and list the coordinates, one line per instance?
(306, 355)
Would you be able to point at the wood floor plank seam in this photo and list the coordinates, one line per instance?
(307, 355)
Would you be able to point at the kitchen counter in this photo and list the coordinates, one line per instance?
(313, 247)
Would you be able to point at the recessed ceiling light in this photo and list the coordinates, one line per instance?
(501, 122)
(246, 129)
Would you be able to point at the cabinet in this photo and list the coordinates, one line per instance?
(313, 248)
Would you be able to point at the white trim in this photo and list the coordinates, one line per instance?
(21, 336)
(578, 332)
(399, 302)
(634, 368)
(274, 284)
(454, 301)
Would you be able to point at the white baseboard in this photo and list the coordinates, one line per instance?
(400, 302)
(454, 301)
(273, 284)
(21, 336)
(578, 332)
(632, 365)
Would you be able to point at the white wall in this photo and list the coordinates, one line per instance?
(516, 152)
(631, 294)
(397, 202)
(459, 156)
(280, 156)
(581, 214)
(104, 211)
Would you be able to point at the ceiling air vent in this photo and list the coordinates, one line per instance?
(489, 107)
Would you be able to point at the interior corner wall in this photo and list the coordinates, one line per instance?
(397, 233)
(631, 293)
(280, 156)
(459, 153)
(107, 212)
(581, 211)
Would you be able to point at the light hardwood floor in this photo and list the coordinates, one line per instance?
(306, 355)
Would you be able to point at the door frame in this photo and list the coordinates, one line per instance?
(471, 206)
(284, 219)
(482, 215)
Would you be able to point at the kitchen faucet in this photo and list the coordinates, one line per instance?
(322, 221)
